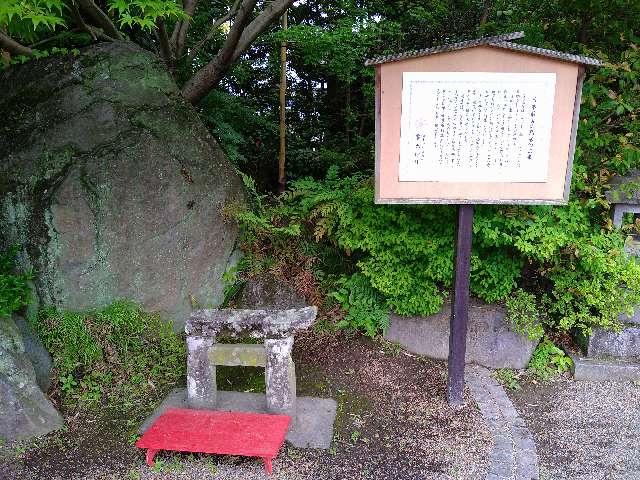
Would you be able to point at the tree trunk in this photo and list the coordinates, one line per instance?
(486, 11)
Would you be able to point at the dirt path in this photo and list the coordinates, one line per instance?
(393, 423)
(583, 430)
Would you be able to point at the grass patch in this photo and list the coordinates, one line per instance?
(509, 378)
(119, 356)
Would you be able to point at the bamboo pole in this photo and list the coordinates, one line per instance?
(283, 126)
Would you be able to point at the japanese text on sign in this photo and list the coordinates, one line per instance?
(476, 126)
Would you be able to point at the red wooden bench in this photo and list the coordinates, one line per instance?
(228, 433)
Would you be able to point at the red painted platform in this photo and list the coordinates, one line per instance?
(227, 433)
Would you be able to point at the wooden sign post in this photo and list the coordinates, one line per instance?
(485, 121)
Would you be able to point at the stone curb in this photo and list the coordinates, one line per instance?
(514, 455)
(605, 369)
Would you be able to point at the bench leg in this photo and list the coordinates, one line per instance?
(150, 454)
(267, 465)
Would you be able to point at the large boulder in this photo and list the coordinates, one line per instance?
(25, 412)
(112, 183)
(35, 352)
(490, 340)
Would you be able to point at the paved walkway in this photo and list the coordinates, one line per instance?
(513, 456)
(584, 430)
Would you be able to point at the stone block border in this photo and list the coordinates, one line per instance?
(605, 369)
(514, 455)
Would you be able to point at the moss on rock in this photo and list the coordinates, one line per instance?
(113, 186)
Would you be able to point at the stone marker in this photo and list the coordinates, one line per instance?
(276, 326)
(490, 341)
(624, 195)
(273, 311)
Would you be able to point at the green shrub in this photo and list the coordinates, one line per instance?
(119, 354)
(523, 314)
(15, 292)
(548, 360)
(365, 306)
(576, 271)
(508, 377)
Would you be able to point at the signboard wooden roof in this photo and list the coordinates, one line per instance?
(482, 121)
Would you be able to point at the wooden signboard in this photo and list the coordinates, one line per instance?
(483, 121)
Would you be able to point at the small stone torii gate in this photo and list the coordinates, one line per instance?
(275, 326)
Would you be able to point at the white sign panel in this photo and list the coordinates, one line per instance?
(476, 126)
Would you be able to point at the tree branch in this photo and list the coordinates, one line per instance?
(165, 47)
(268, 16)
(77, 18)
(10, 45)
(205, 79)
(99, 18)
(212, 30)
(95, 32)
(179, 34)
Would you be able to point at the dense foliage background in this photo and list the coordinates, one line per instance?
(564, 265)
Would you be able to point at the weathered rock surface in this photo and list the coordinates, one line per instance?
(25, 412)
(490, 341)
(606, 343)
(112, 183)
(257, 323)
(268, 292)
(35, 352)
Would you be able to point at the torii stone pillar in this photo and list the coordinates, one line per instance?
(280, 375)
(201, 373)
(276, 326)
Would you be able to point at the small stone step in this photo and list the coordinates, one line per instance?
(601, 370)
(625, 343)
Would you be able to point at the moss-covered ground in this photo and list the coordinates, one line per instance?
(392, 422)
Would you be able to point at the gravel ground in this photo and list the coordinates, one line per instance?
(393, 423)
(584, 430)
